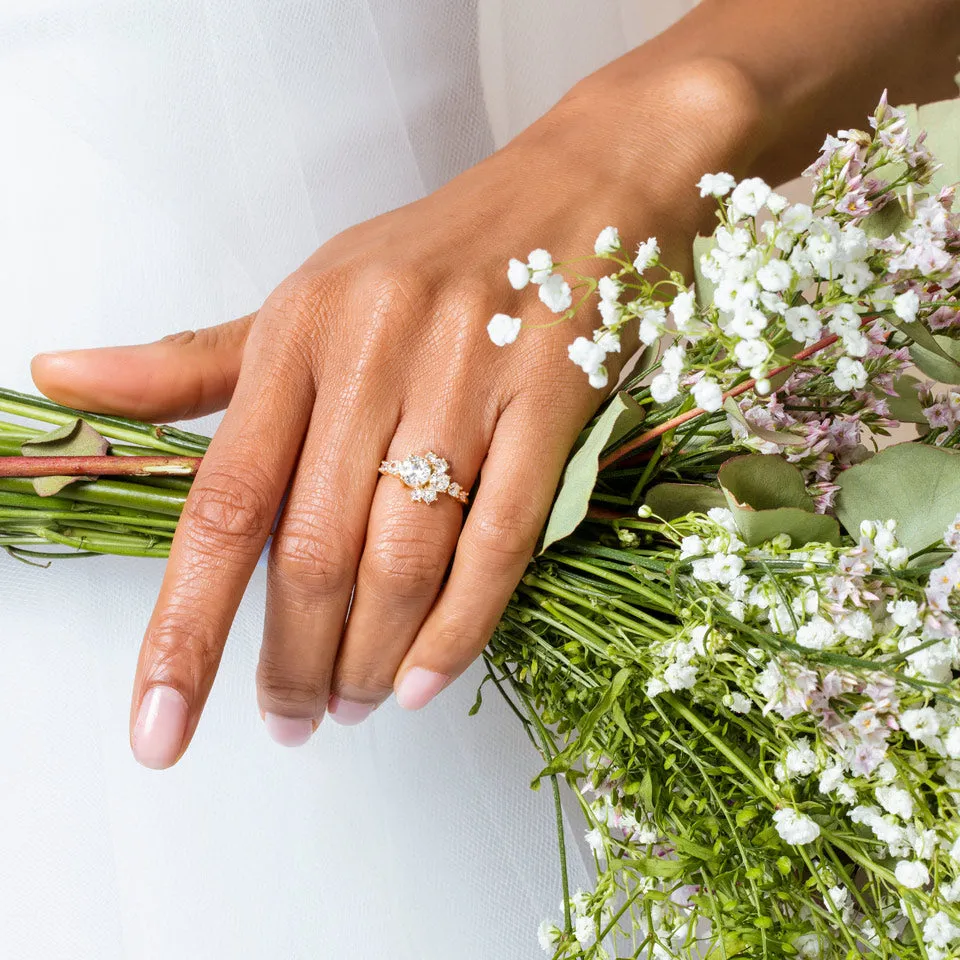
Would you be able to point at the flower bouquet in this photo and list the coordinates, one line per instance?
(739, 645)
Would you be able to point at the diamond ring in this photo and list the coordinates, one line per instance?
(425, 476)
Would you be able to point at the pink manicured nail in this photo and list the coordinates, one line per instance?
(161, 724)
(419, 686)
(289, 731)
(349, 712)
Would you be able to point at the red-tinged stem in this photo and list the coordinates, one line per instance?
(683, 418)
(99, 466)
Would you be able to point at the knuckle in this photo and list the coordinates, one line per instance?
(456, 642)
(184, 645)
(403, 562)
(292, 689)
(394, 293)
(467, 298)
(508, 531)
(226, 505)
(363, 680)
(310, 556)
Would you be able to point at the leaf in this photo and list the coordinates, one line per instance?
(585, 727)
(691, 848)
(76, 438)
(929, 344)
(916, 485)
(622, 413)
(802, 527)
(671, 500)
(764, 482)
(934, 365)
(703, 287)
(767, 497)
(905, 406)
(886, 222)
(941, 120)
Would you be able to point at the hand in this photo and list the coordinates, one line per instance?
(377, 348)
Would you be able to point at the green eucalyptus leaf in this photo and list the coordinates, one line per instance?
(703, 287)
(767, 497)
(757, 526)
(764, 482)
(916, 485)
(887, 221)
(905, 406)
(941, 120)
(671, 500)
(929, 343)
(934, 365)
(621, 414)
(75, 438)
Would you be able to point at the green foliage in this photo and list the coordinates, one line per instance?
(672, 500)
(942, 365)
(621, 414)
(914, 484)
(75, 438)
(767, 497)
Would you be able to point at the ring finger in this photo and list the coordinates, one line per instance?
(408, 549)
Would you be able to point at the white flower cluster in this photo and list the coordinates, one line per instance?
(851, 744)
(780, 281)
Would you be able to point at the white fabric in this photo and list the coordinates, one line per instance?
(165, 163)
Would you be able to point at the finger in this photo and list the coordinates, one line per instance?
(408, 549)
(181, 376)
(517, 484)
(313, 561)
(224, 525)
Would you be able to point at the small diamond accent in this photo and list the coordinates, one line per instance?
(426, 476)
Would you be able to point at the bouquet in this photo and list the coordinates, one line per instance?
(739, 646)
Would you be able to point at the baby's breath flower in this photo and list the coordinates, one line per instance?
(795, 828)
(912, 874)
(555, 293)
(608, 241)
(518, 274)
(540, 264)
(849, 374)
(647, 254)
(664, 388)
(716, 184)
(503, 329)
(747, 198)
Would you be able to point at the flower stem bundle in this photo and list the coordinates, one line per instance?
(741, 649)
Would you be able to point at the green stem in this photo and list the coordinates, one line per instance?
(162, 438)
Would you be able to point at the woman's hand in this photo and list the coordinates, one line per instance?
(377, 348)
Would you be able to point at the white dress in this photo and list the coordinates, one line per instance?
(164, 164)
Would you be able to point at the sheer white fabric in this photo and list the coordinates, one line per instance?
(165, 164)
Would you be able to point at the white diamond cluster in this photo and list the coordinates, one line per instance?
(427, 477)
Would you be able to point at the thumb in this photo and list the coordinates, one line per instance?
(181, 376)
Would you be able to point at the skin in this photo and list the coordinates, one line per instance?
(376, 347)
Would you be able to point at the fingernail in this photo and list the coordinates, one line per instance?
(289, 731)
(349, 712)
(161, 723)
(418, 687)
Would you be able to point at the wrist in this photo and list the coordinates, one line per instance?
(662, 125)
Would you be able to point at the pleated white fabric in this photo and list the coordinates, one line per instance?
(164, 165)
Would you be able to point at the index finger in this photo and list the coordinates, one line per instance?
(225, 524)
